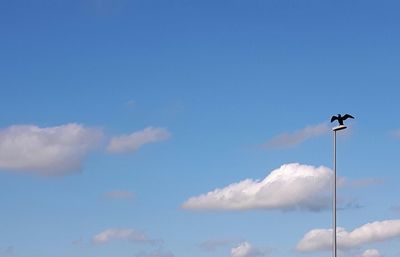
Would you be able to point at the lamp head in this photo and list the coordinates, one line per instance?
(340, 127)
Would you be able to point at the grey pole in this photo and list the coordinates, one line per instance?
(334, 245)
(334, 236)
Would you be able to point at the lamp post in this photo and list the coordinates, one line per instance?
(334, 245)
(341, 126)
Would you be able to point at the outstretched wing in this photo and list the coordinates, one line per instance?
(346, 116)
(333, 118)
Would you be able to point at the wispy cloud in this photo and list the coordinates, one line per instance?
(286, 140)
(135, 140)
(245, 249)
(321, 239)
(292, 186)
(371, 253)
(119, 194)
(46, 151)
(121, 234)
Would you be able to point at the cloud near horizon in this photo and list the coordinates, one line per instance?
(321, 239)
(287, 140)
(292, 186)
(135, 140)
(47, 151)
(245, 249)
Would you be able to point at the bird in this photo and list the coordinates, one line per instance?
(341, 118)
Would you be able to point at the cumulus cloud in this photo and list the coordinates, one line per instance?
(245, 249)
(135, 140)
(46, 151)
(292, 186)
(124, 234)
(291, 139)
(119, 194)
(321, 239)
(371, 253)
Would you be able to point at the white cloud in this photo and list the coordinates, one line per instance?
(292, 186)
(119, 194)
(291, 139)
(321, 239)
(245, 249)
(371, 253)
(46, 151)
(124, 234)
(135, 140)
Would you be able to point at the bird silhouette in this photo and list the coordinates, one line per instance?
(341, 118)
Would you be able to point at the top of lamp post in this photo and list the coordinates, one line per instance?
(340, 119)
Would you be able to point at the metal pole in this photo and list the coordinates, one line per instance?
(334, 245)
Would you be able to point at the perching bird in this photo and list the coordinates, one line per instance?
(341, 118)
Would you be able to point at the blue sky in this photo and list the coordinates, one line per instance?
(115, 113)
